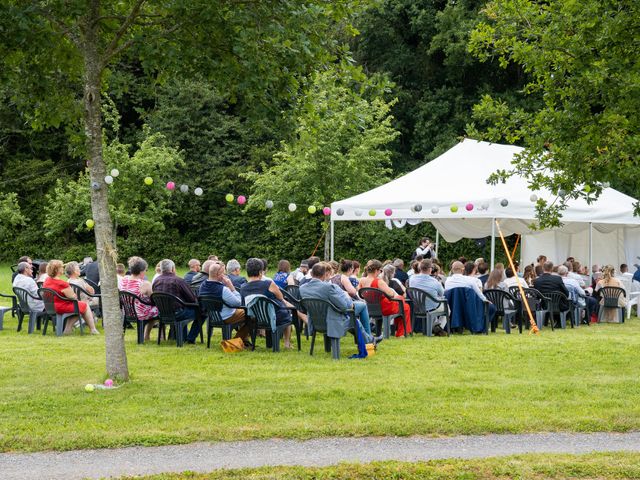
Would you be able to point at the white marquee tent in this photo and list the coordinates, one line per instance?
(604, 232)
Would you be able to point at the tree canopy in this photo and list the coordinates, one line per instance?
(581, 63)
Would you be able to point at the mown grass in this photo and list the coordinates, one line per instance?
(572, 380)
(618, 465)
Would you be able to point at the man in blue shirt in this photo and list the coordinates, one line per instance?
(424, 281)
(220, 286)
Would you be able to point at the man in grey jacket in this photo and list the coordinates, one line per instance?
(337, 323)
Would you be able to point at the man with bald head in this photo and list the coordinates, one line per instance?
(457, 279)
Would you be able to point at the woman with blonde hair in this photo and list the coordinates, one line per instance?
(610, 315)
(62, 288)
(388, 275)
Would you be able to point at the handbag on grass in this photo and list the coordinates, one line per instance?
(232, 345)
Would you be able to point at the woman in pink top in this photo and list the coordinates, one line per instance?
(136, 284)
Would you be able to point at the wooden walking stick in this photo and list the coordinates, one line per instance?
(534, 326)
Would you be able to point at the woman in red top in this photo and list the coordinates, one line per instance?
(371, 280)
(61, 287)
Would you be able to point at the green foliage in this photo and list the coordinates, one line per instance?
(580, 57)
(422, 46)
(340, 148)
(10, 216)
(139, 211)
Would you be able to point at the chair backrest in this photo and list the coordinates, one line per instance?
(92, 284)
(373, 297)
(128, 304)
(79, 290)
(263, 309)
(167, 305)
(294, 291)
(295, 301)
(195, 288)
(23, 299)
(610, 296)
(500, 299)
(558, 302)
(47, 296)
(317, 312)
(213, 306)
(419, 299)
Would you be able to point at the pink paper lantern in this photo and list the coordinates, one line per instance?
(326, 211)
(171, 186)
(242, 199)
(469, 207)
(388, 212)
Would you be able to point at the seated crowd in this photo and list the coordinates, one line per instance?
(338, 283)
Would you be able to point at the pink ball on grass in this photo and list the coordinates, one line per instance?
(242, 200)
(326, 211)
(108, 382)
(469, 207)
(388, 212)
(171, 186)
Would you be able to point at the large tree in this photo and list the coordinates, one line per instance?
(58, 54)
(340, 148)
(582, 61)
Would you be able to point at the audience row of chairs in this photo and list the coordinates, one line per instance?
(509, 307)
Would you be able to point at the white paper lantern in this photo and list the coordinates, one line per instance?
(268, 204)
(292, 207)
(533, 198)
(108, 179)
(198, 191)
(485, 206)
(184, 188)
(358, 213)
(115, 172)
(434, 210)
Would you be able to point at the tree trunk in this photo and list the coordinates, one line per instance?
(116, 356)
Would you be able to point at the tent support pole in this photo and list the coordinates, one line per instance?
(590, 245)
(331, 227)
(493, 242)
(437, 241)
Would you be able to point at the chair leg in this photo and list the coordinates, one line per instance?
(20, 318)
(386, 327)
(506, 323)
(327, 343)
(335, 348)
(254, 334)
(209, 332)
(33, 316)
(275, 340)
(428, 325)
(298, 335)
(313, 342)
(140, 331)
(59, 325)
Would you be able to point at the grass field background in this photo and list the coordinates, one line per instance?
(584, 379)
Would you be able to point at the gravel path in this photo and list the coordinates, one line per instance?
(205, 457)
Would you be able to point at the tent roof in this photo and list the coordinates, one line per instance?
(458, 177)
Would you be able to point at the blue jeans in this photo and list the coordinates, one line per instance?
(363, 315)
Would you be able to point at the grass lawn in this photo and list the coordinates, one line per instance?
(573, 380)
(534, 467)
